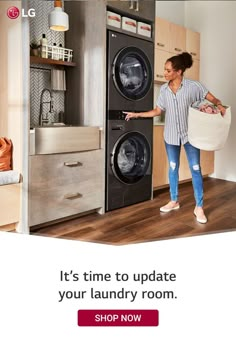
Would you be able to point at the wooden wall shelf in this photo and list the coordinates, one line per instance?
(39, 60)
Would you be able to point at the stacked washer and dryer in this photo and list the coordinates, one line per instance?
(128, 143)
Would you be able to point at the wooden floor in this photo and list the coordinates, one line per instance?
(143, 222)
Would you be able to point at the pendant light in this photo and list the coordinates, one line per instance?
(58, 19)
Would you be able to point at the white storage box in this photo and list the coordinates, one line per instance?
(144, 29)
(113, 19)
(129, 24)
(208, 131)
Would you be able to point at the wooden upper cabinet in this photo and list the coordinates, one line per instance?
(193, 72)
(193, 47)
(161, 57)
(177, 38)
(138, 8)
(162, 34)
(193, 43)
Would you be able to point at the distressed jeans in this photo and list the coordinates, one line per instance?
(193, 156)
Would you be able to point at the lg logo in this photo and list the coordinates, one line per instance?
(13, 12)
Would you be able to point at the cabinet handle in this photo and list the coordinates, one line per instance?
(192, 53)
(178, 50)
(137, 6)
(73, 195)
(131, 4)
(73, 164)
(161, 76)
(160, 44)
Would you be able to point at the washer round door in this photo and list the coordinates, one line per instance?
(132, 73)
(131, 157)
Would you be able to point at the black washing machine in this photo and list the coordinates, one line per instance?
(129, 74)
(129, 162)
(128, 143)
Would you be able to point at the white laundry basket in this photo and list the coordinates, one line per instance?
(208, 131)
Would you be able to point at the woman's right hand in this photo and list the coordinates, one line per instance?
(130, 115)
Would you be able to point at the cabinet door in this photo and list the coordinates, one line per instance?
(141, 8)
(62, 185)
(194, 72)
(193, 43)
(207, 162)
(162, 34)
(177, 38)
(10, 195)
(160, 58)
(160, 163)
(184, 171)
(122, 5)
(145, 9)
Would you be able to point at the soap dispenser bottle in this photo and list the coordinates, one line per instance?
(61, 52)
(55, 52)
(44, 43)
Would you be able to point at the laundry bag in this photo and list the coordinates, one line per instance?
(208, 131)
(5, 154)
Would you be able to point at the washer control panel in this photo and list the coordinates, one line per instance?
(116, 115)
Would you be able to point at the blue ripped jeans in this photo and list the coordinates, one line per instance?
(193, 156)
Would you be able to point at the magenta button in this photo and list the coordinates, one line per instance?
(116, 318)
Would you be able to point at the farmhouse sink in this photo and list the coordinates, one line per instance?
(53, 139)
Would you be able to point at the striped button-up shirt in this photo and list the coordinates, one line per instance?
(176, 107)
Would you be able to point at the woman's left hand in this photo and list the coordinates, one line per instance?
(222, 110)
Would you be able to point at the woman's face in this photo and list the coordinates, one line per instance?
(170, 73)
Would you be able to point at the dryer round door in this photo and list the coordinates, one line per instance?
(132, 73)
(131, 157)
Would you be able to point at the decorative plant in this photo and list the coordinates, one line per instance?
(34, 45)
(34, 48)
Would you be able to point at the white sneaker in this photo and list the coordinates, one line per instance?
(200, 216)
(169, 207)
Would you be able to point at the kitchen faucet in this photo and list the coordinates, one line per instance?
(41, 118)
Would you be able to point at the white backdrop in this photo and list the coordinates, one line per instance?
(200, 320)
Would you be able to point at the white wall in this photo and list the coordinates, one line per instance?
(173, 11)
(11, 102)
(216, 21)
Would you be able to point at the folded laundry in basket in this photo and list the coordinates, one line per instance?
(9, 177)
(205, 106)
(209, 108)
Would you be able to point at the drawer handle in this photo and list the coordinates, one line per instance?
(160, 76)
(178, 50)
(73, 195)
(192, 53)
(160, 44)
(73, 164)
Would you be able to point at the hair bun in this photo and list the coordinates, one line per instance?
(187, 59)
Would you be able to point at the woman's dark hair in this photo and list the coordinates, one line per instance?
(181, 61)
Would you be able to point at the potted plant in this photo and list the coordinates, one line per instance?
(34, 49)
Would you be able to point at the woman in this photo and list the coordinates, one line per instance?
(174, 99)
